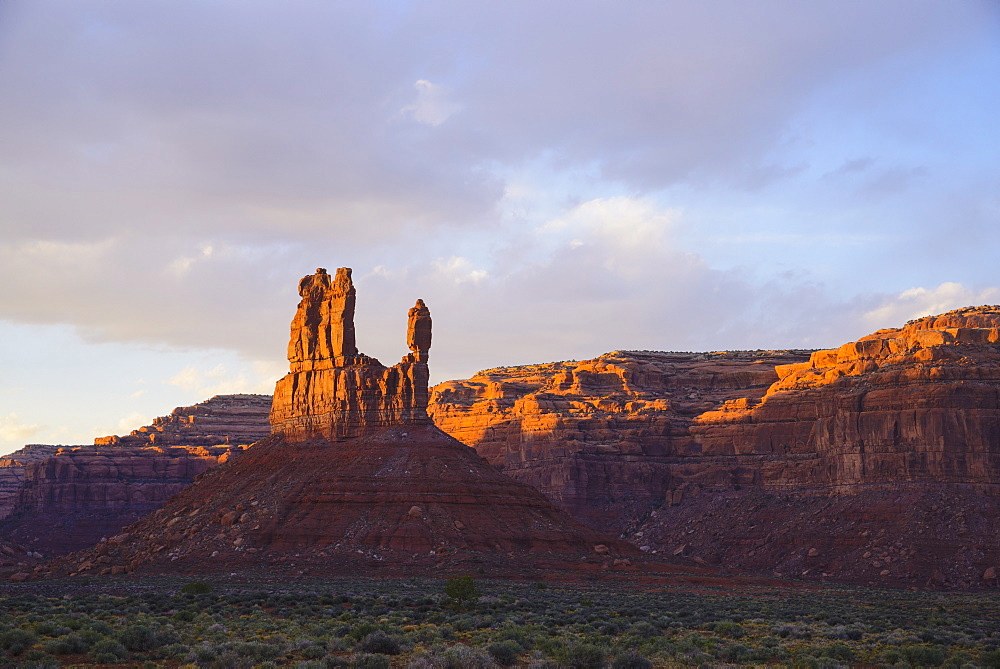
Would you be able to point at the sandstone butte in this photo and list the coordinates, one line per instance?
(58, 499)
(355, 473)
(873, 463)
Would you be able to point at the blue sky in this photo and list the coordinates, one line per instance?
(556, 180)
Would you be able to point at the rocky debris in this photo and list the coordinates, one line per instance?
(332, 390)
(12, 472)
(903, 537)
(600, 437)
(354, 471)
(220, 420)
(17, 561)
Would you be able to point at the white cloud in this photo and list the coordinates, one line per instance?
(218, 380)
(432, 106)
(12, 430)
(918, 302)
(459, 270)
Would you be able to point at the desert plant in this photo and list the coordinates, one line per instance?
(197, 588)
(461, 591)
(505, 652)
(379, 642)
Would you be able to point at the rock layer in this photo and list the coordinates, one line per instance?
(332, 390)
(876, 462)
(354, 467)
(69, 497)
(12, 472)
(599, 437)
(220, 420)
(72, 499)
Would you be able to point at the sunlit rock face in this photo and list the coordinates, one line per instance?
(332, 390)
(354, 470)
(876, 462)
(600, 437)
(917, 403)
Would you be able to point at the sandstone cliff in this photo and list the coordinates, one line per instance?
(66, 498)
(12, 472)
(222, 419)
(354, 471)
(334, 391)
(876, 462)
(599, 437)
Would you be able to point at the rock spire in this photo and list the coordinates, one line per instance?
(332, 390)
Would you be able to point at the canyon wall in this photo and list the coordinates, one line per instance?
(69, 497)
(600, 437)
(12, 472)
(877, 462)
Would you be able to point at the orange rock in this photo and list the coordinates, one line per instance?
(332, 390)
(354, 461)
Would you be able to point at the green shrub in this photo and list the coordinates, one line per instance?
(17, 641)
(461, 656)
(197, 588)
(369, 661)
(838, 651)
(505, 652)
(644, 630)
(379, 642)
(461, 591)
(138, 638)
(108, 648)
(71, 644)
(630, 660)
(583, 655)
(923, 656)
(729, 629)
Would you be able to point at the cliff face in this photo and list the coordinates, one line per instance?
(877, 462)
(915, 404)
(12, 472)
(66, 498)
(354, 468)
(72, 499)
(332, 390)
(223, 419)
(600, 437)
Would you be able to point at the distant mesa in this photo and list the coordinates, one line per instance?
(57, 499)
(354, 470)
(882, 455)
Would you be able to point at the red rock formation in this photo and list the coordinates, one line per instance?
(12, 472)
(354, 467)
(72, 499)
(222, 419)
(887, 445)
(599, 437)
(69, 497)
(334, 391)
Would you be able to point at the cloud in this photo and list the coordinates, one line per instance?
(12, 430)
(432, 106)
(553, 178)
(218, 380)
(918, 302)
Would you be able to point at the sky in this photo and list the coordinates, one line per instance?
(555, 179)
